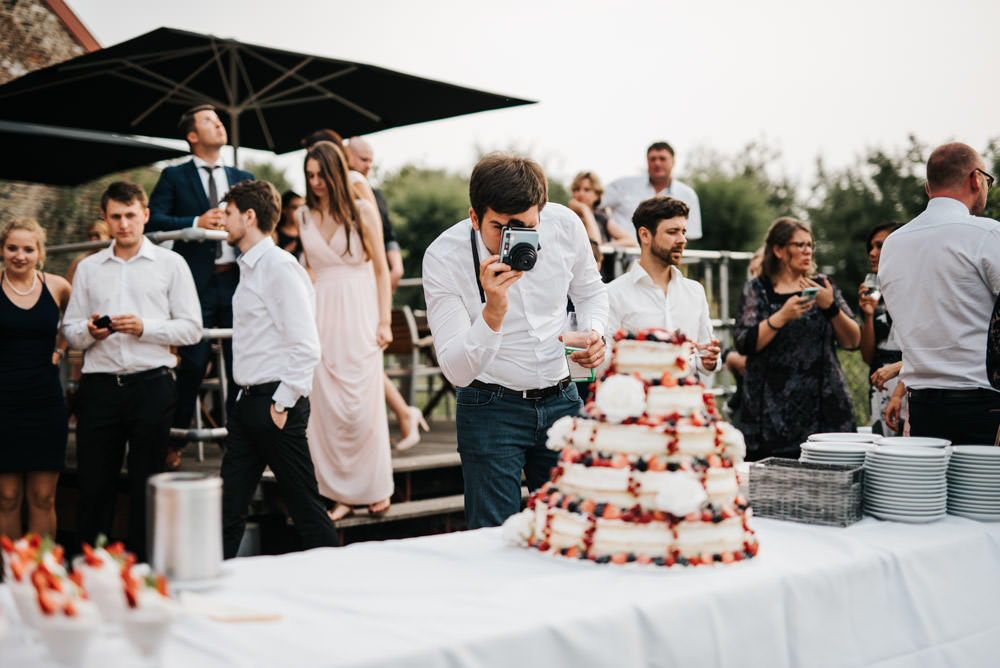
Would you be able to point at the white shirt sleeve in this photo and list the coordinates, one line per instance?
(294, 317)
(183, 327)
(464, 349)
(588, 292)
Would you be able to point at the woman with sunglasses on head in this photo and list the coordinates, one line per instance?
(788, 322)
(32, 408)
(342, 246)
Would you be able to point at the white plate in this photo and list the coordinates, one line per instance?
(973, 515)
(837, 447)
(986, 451)
(937, 499)
(844, 437)
(907, 452)
(918, 441)
(910, 491)
(910, 519)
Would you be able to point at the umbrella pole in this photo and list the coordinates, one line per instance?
(235, 120)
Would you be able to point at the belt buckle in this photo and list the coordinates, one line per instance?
(524, 394)
(118, 380)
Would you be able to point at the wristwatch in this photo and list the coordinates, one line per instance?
(279, 407)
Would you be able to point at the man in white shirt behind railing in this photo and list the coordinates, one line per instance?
(497, 330)
(275, 350)
(654, 293)
(127, 391)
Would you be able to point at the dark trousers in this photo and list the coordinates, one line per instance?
(963, 417)
(255, 442)
(500, 435)
(216, 311)
(109, 415)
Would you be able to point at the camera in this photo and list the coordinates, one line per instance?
(519, 246)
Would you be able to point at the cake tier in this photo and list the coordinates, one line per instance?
(627, 486)
(651, 359)
(567, 525)
(694, 436)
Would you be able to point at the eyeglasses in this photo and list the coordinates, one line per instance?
(989, 177)
(802, 245)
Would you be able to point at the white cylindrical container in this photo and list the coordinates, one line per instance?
(185, 525)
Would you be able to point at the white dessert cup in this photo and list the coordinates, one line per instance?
(67, 638)
(147, 627)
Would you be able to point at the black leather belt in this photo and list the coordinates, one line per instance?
(223, 268)
(954, 396)
(540, 393)
(125, 379)
(262, 390)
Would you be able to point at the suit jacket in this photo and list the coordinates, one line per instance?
(178, 198)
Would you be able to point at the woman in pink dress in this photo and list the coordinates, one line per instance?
(342, 247)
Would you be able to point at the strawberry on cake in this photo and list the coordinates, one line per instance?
(648, 474)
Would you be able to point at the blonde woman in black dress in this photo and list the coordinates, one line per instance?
(32, 408)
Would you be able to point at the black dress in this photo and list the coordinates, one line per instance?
(794, 386)
(32, 408)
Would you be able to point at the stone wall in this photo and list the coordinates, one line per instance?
(35, 37)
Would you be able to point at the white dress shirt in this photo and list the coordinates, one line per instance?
(274, 323)
(624, 195)
(635, 302)
(940, 275)
(155, 284)
(228, 255)
(526, 353)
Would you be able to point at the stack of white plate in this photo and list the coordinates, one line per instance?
(974, 482)
(920, 441)
(906, 483)
(832, 452)
(844, 437)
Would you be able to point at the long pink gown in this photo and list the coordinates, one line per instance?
(348, 428)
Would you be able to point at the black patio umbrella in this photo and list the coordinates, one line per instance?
(68, 157)
(272, 98)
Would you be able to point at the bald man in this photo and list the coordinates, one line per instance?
(360, 156)
(940, 275)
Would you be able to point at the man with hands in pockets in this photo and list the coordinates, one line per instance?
(497, 329)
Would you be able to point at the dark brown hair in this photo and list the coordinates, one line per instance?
(124, 192)
(186, 124)
(340, 197)
(660, 146)
(260, 196)
(650, 212)
(892, 227)
(778, 235)
(507, 184)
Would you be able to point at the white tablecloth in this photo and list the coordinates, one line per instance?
(873, 594)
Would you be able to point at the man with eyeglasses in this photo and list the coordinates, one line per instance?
(940, 276)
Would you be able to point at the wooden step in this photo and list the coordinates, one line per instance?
(407, 510)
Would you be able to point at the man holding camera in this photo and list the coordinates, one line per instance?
(496, 286)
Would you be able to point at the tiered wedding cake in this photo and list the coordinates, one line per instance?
(648, 476)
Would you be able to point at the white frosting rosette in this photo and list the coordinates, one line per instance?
(558, 435)
(679, 494)
(621, 397)
(518, 528)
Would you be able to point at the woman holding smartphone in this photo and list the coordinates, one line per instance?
(788, 325)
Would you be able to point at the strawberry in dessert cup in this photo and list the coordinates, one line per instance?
(150, 610)
(101, 570)
(67, 620)
(22, 558)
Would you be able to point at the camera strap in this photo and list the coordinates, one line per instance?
(475, 263)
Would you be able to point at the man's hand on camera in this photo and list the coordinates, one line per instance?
(593, 355)
(496, 278)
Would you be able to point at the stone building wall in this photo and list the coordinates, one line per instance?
(33, 37)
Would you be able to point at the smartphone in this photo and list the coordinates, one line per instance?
(809, 293)
(104, 322)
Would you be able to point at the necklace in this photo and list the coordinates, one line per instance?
(34, 282)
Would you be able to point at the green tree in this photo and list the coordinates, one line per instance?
(423, 204)
(739, 198)
(266, 171)
(883, 186)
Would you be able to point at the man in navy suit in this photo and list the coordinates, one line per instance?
(188, 195)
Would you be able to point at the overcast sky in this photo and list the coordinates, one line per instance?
(811, 79)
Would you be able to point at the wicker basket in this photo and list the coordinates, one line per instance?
(787, 489)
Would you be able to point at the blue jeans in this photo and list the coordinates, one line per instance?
(499, 435)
